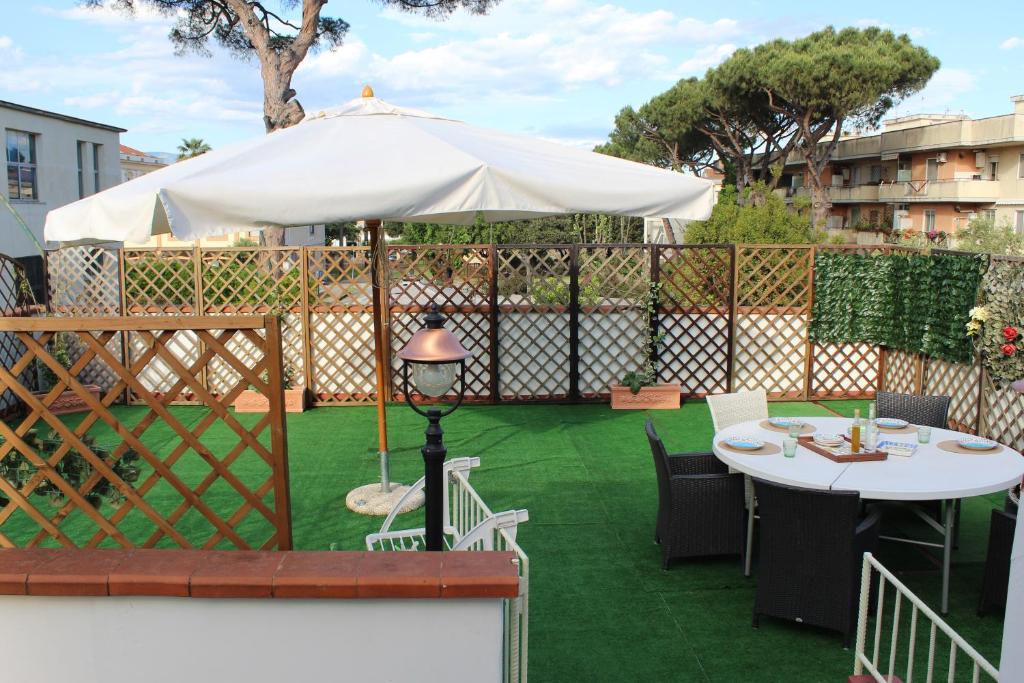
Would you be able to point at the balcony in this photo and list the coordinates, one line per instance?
(981, 191)
(854, 194)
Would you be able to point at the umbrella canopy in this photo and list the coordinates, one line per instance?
(369, 159)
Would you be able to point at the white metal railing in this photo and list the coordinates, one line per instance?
(471, 525)
(918, 611)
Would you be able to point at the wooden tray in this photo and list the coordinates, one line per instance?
(808, 443)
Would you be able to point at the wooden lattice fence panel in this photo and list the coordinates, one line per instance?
(695, 317)
(115, 476)
(962, 383)
(1003, 414)
(342, 358)
(86, 281)
(16, 299)
(613, 283)
(533, 293)
(844, 370)
(901, 372)
(255, 280)
(458, 280)
(773, 304)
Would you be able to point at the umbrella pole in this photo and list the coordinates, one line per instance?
(377, 264)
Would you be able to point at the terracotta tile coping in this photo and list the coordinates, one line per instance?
(257, 574)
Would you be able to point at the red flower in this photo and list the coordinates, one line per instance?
(1010, 333)
(1008, 349)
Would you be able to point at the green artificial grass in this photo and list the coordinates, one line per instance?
(601, 608)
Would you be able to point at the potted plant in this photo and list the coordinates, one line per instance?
(639, 389)
(68, 401)
(252, 401)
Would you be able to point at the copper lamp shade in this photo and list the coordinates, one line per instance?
(434, 344)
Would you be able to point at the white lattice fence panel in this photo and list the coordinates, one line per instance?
(691, 352)
(900, 372)
(1003, 415)
(84, 281)
(845, 370)
(611, 344)
(771, 353)
(342, 356)
(961, 383)
(533, 355)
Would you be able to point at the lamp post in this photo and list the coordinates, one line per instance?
(437, 360)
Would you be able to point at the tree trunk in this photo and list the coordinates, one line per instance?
(821, 203)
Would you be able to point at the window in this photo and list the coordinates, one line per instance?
(932, 170)
(96, 166)
(854, 216)
(1019, 223)
(874, 217)
(1020, 167)
(81, 168)
(312, 230)
(989, 215)
(993, 170)
(929, 220)
(876, 174)
(21, 165)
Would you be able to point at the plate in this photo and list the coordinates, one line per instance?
(745, 443)
(900, 448)
(828, 439)
(976, 444)
(785, 422)
(891, 422)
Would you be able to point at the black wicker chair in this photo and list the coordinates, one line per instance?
(996, 580)
(812, 548)
(932, 411)
(700, 505)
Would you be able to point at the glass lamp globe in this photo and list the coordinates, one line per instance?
(434, 379)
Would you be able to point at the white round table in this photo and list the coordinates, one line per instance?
(930, 474)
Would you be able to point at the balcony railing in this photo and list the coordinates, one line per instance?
(940, 191)
(854, 193)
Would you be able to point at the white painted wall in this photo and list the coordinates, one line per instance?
(199, 640)
(57, 170)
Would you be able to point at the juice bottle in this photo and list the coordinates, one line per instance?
(855, 432)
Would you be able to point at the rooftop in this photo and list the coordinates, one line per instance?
(61, 117)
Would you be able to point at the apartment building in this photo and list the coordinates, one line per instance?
(926, 172)
(135, 163)
(52, 159)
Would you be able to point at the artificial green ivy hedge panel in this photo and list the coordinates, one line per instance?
(914, 302)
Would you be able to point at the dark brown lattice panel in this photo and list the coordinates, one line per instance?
(16, 299)
(844, 370)
(695, 316)
(900, 372)
(341, 325)
(160, 281)
(772, 316)
(117, 478)
(962, 384)
(455, 278)
(613, 283)
(1003, 415)
(533, 322)
(254, 280)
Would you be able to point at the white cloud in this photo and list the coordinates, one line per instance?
(946, 87)
(1012, 43)
(5, 42)
(706, 57)
(106, 15)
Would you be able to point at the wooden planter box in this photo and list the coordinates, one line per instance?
(252, 401)
(69, 401)
(660, 397)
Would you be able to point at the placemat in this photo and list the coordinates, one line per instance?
(909, 429)
(767, 449)
(954, 447)
(765, 424)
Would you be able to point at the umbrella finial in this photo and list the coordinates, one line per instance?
(367, 91)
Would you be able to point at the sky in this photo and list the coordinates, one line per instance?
(556, 69)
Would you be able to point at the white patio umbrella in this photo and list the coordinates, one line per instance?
(368, 159)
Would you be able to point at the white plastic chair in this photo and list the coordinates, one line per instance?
(730, 409)
(726, 411)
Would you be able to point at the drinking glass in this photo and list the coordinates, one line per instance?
(924, 434)
(794, 430)
(789, 447)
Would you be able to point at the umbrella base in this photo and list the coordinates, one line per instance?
(370, 500)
